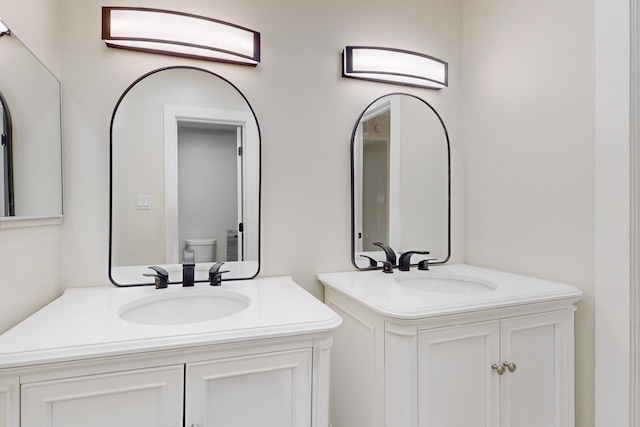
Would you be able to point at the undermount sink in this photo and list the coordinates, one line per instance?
(183, 307)
(447, 284)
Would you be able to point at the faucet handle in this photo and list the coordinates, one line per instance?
(215, 275)
(387, 267)
(424, 264)
(161, 276)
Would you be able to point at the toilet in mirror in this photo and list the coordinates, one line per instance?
(400, 176)
(185, 178)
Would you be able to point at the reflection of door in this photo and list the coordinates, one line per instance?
(208, 198)
(375, 193)
(209, 186)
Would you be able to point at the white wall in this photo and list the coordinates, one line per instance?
(529, 135)
(306, 203)
(29, 257)
(613, 220)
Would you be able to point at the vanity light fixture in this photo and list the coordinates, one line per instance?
(179, 34)
(388, 65)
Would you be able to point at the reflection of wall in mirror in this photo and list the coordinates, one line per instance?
(138, 152)
(34, 96)
(423, 182)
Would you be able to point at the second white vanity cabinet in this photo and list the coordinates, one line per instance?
(509, 372)
(446, 357)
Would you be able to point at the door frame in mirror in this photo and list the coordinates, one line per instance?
(354, 179)
(258, 162)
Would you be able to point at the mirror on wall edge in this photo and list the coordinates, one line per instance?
(185, 162)
(400, 182)
(31, 154)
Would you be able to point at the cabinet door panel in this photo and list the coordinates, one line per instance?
(272, 390)
(535, 394)
(457, 387)
(149, 397)
(9, 402)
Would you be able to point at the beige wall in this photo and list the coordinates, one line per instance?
(29, 257)
(306, 202)
(529, 135)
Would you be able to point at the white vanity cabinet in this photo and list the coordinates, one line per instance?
(77, 363)
(271, 389)
(414, 358)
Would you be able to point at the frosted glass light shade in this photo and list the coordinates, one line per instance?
(397, 66)
(179, 34)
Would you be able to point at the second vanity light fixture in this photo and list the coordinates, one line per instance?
(179, 34)
(397, 66)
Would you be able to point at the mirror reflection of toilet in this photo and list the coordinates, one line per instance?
(205, 249)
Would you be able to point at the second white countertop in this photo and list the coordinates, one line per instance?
(384, 294)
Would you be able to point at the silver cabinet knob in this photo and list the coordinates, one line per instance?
(510, 366)
(498, 369)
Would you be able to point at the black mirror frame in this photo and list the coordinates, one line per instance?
(352, 157)
(113, 115)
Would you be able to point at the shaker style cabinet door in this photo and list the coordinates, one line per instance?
(515, 372)
(138, 398)
(456, 385)
(268, 390)
(9, 402)
(537, 392)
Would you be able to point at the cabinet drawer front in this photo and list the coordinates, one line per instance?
(147, 397)
(269, 390)
(456, 385)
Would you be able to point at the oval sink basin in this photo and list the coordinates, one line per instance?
(187, 306)
(447, 284)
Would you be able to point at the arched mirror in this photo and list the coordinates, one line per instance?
(185, 174)
(400, 180)
(31, 154)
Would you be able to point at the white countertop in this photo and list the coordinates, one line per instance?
(382, 292)
(83, 322)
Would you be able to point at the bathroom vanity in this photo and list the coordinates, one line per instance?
(455, 346)
(256, 354)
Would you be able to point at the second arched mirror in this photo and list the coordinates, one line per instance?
(400, 178)
(185, 175)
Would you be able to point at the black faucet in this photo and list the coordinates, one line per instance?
(161, 276)
(215, 275)
(405, 259)
(188, 268)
